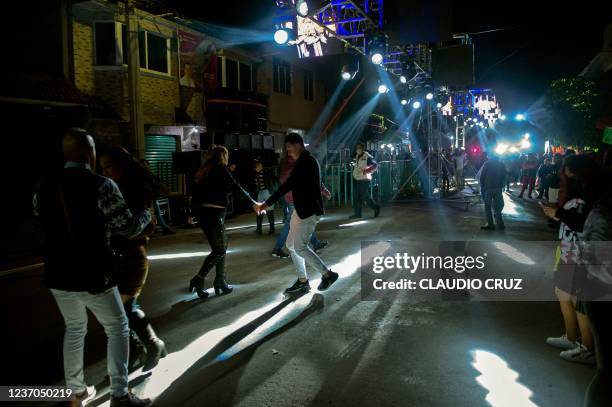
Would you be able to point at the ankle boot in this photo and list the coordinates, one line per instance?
(156, 349)
(197, 284)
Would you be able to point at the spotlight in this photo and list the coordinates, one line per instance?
(404, 102)
(439, 105)
(526, 135)
(429, 96)
(501, 148)
(525, 144)
(520, 117)
(281, 36)
(301, 7)
(416, 105)
(383, 88)
(502, 117)
(513, 149)
(403, 79)
(377, 58)
(349, 70)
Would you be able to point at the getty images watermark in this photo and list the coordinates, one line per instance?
(485, 271)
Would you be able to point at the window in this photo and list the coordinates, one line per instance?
(231, 74)
(246, 78)
(111, 45)
(105, 41)
(219, 72)
(154, 52)
(281, 76)
(309, 85)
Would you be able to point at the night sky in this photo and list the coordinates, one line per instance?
(547, 40)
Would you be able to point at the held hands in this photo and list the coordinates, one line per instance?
(260, 208)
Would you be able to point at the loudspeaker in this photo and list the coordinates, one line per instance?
(186, 162)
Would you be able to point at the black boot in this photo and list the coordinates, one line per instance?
(156, 349)
(138, 353)
(220, 284)
(259, 223)
(271, 221)
(197, 284)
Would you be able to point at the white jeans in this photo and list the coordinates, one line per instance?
(300, 231)
(108, 310)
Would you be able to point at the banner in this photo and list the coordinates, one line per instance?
(198, 61)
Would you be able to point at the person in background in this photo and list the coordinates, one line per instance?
(159, 218)
(263, 185)
(139, 188)
(492, 179)
(362, 174)
(459, 161)
(213, 182)
(543, 174)
(286, 167)
(528, 173)
(79, 212)
(566, 185)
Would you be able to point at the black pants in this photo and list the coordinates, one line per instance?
(362, 194)
(599, 392)
(270, 214)
(212, 222)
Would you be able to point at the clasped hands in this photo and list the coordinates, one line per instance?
(260, 208)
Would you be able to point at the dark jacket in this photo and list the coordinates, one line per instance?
(215, 186)
(77, 261)
(305, 183)
(493, 175)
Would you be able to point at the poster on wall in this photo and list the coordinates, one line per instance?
(198, 61)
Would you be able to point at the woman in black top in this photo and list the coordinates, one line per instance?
(139, 188)
(213, 183)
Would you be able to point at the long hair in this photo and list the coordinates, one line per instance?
(211, 159)
(134, 171)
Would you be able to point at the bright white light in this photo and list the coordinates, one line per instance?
(281, 36)
(502, 117)
(546, 147)
(500, 381)
(525, 144)
(377, 58)
(178, 256)
(526, 135)
(513, 149)
(382, 147)
(404, 102)
(392, 148)
(357, 223)
(501, 148)
(416, 105)
(429, 96)
(383, 88)
(514, 254)
(452, 137)
(302, 8)
(403, 79)
(520, 117)
(346, 76)
(439, 105)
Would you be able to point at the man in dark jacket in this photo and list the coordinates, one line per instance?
(79, 211)
(305, 183)
(492, 180)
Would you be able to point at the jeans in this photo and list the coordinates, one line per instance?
(212, 222)
(108, 310)
(300, 232)
(494, 203)
(362, 194)
(282, 237)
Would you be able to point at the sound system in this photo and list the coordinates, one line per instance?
(186, 162)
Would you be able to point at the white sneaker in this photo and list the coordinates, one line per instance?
(561, 342)
(580, 354)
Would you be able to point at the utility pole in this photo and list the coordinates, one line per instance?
(137, 139)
